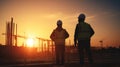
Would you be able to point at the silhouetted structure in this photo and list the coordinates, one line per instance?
(45, 43)
(101, 43)
(12, 37)
(9, 32)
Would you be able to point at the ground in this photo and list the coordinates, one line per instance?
(101, 59)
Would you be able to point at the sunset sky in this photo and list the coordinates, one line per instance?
(39, 17)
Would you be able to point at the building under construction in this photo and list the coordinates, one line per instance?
(10, 33)
(12, 38)
(11, 47)
(11, 50)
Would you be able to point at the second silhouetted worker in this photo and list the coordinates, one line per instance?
(82, 35)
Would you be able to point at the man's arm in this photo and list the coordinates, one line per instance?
(76, 35)
(66, 34)
(52, 36)
(91, 31)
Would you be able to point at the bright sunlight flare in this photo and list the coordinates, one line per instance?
(30, 42)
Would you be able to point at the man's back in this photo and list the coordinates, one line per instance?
(60, 36)
(84, 31)
(83, 34)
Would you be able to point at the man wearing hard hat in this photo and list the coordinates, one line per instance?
(58, 36)
(82, 36)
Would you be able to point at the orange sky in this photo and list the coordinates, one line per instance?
(38, 18)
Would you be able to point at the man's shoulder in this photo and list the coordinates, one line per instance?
(57, 30)
(82, 24)
(54, 29)
(64, 29)
(86, 23)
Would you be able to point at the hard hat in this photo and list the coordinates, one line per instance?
(59, 22)
(81, 16)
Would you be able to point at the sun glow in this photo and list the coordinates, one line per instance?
(30, 42)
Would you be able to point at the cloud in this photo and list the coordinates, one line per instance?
(91, 17)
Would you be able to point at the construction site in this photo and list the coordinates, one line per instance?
(11, 51)
(12, 55)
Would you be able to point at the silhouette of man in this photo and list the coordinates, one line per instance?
(58, 36)
(82, 35)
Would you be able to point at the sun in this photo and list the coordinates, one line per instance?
(30, 42)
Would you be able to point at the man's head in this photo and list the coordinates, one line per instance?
(81, 17)
(59, 23)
